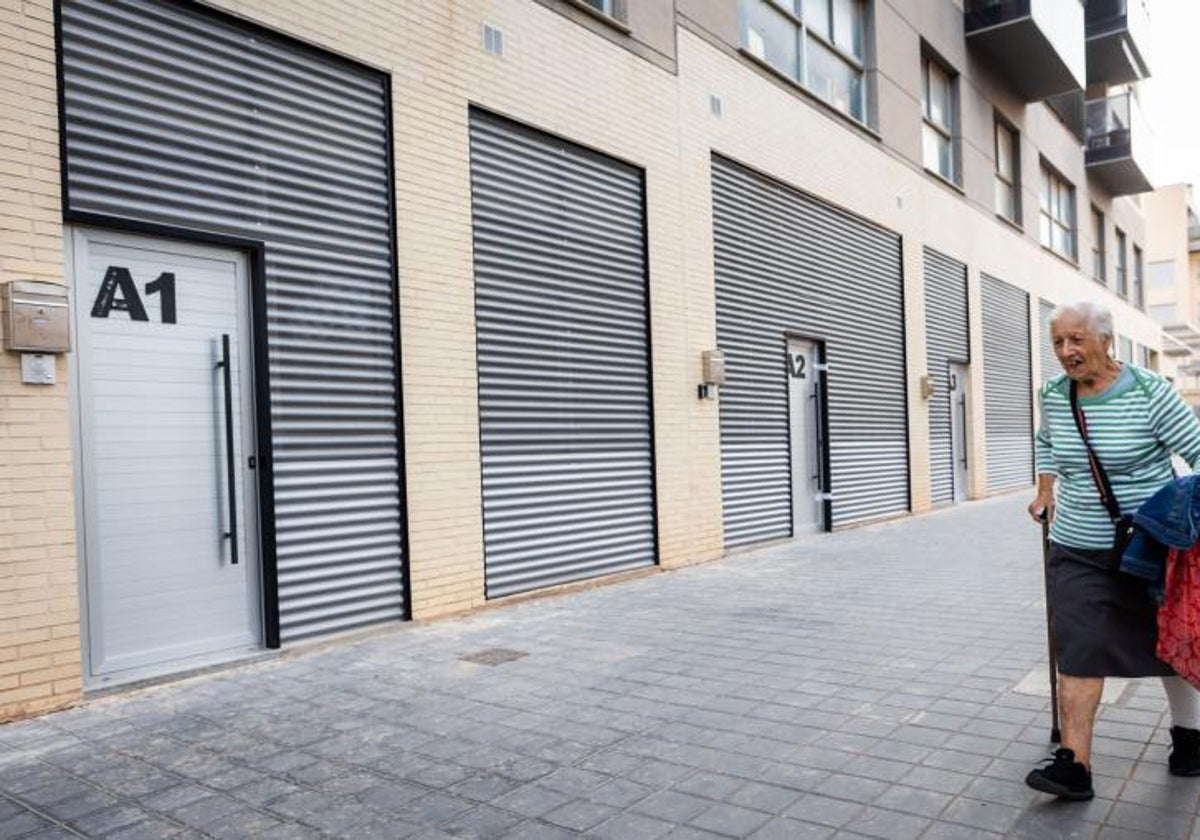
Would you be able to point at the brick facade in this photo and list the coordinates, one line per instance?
(39, 601)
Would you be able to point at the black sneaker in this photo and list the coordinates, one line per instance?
(1185, 752)
(1063, 776)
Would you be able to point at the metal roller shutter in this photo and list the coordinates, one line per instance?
(787, 262)
(947, 339)
(564, 366)
(1007, 389)
(180, 118)
(1049, 362)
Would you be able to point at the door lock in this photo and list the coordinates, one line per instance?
(251, 462)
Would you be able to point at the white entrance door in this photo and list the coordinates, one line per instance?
(171, 571)
(804, 408)
(958, 428)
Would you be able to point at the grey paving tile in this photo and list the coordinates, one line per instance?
(1108, 832)
(716, 786)
(539, 831)
(432, 809)
(1052, 821)
(852, 788)
(106, 820)
(942, 781)
(770, 799)
(630, 826)
(730, 820)
(481, 823)
(659, 773)
(22, 824)
(1000, 791)
(1151, 820)
(910, 800)
(152, 828)
(824, 810)
(782, 828)
(889, 825)
(961, 762)
(1178, 794)
(574, 781)
(989, 816)
(242, 824)
(954, 831)
(621, 793)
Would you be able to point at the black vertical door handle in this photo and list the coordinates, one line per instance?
(232, 533)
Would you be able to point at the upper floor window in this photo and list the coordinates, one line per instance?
(1099, 273)
(1057, 199)
(1008, 169)
(1122, 264)
(819, 43)
(1125, 351)
(612, 8)
(1139, 282)
(938, 103)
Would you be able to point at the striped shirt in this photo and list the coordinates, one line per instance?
(1134, 426)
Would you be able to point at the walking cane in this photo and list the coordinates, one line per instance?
(1055, 732)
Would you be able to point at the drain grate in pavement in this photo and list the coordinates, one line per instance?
(493, 656)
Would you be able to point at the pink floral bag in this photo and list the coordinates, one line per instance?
(1179, 615)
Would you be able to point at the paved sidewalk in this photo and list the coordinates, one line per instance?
(856, 684)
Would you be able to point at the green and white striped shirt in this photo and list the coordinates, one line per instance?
(1134, 427)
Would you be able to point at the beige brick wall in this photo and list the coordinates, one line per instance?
(39, 604)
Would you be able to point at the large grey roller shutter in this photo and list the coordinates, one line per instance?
(1046, 358)
(786, 262)
(1007, 386)
(947, 339)
(182, 118)
(564, 367)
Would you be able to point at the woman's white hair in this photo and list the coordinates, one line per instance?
(1096, 315)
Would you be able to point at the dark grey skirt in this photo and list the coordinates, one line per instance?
(1105, 622)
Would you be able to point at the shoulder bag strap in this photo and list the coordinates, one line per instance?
(1107, 497)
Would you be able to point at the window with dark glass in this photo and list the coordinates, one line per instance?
(1056, 197)
(938, 105)
(821, 44)
(1008, 169)
(1099, 273)
(605, 7)
(1139, 281)
(1122, 257)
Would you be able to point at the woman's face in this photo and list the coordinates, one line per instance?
(1082, 353)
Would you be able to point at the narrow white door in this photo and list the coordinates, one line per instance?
(958, 428)
(803, 403)
(164, 394)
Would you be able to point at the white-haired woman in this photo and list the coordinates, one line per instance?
(1104, 621)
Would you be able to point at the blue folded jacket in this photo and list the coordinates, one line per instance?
(1168, 519)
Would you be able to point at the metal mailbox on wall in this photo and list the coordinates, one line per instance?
(35, 316)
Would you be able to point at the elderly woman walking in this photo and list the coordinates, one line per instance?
(1104, 621)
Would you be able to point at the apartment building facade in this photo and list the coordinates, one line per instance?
(385, 312)
(1173, 281)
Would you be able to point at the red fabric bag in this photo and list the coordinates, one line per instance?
(1179, 615)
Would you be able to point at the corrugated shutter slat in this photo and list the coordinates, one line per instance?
(1008, 388)
(947, 340)
(562, 329)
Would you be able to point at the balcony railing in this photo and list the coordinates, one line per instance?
(1037, 45)
(1117, 142)
(1118, 41)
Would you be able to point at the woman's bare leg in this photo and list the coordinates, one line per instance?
(1079, 698)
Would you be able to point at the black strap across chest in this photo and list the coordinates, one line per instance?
(1107, 497)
